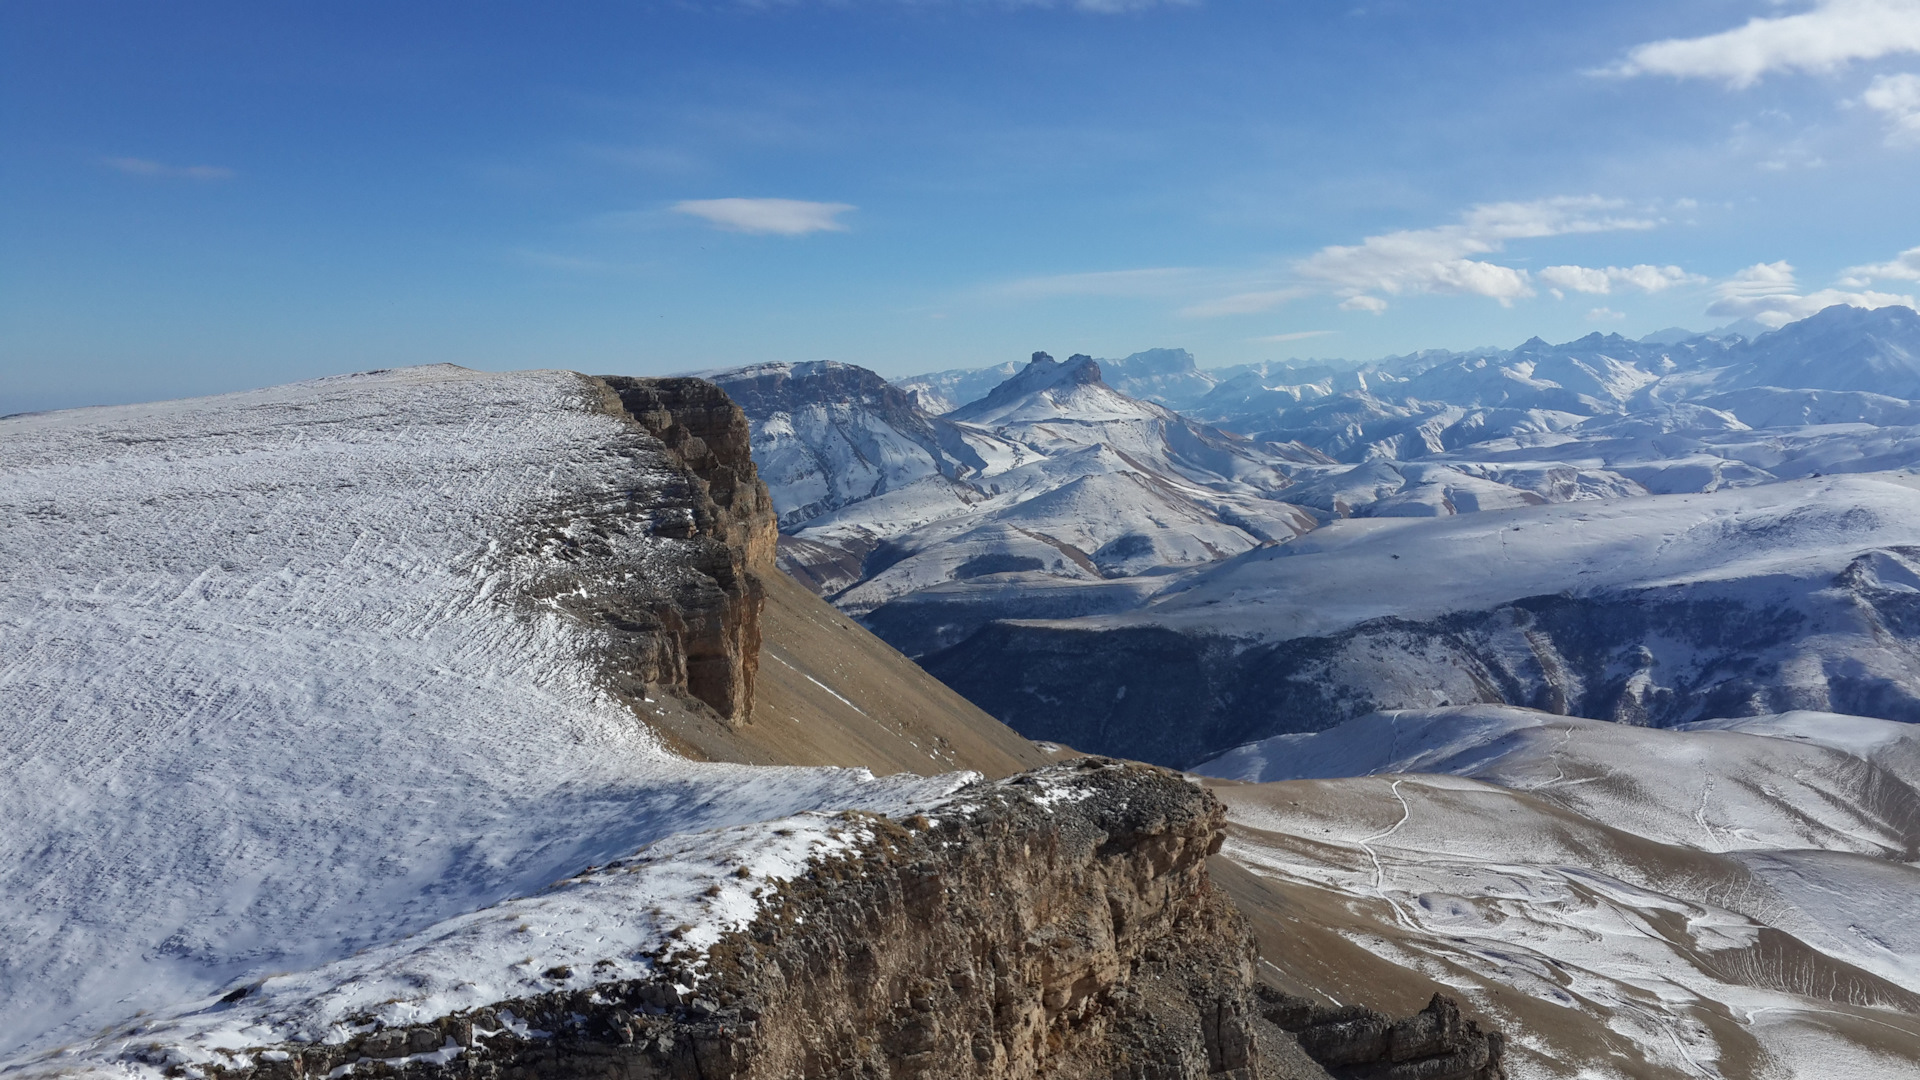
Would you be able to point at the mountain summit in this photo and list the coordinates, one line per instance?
(1047, 387)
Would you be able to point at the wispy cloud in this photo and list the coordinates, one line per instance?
(1297, 335)
(573, 264)
(1445, 259)
(1147, 281)
(1831, 35)
(778, 217)
(1605, 314)
(657, 160)
(1602, 281)
(1246, 303)
(133, 166)
(1897, 97)
(1769, 293)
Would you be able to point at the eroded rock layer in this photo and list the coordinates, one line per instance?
(1058, 924)
(689, 625)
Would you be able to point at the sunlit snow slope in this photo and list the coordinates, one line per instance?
(275, 691)
(1658, 610)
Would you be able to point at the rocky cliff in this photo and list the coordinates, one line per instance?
(1058, 924)
(686, 620)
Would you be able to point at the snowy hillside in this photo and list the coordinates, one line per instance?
(828, 434)
(1728, 900)
(1054, 481)
(1654, 610)
(291, 674)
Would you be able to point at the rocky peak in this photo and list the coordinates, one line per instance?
(1041, 374)
(768, 388)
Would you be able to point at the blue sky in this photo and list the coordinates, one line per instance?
(209, 196)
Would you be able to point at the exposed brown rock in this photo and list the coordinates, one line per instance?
(667, 571)
(1060, 924)
(830, 693)
(709, 434)
(1355, 1043)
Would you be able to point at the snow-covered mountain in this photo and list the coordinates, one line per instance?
(1057, 495)
(940, 392)
(1168, 377)
(342, 715)
(1730, 899)
(827, 434)
(1599, 401)
(1651, 610)
(1053, 485)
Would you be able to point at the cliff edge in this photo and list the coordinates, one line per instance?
(1057, 924)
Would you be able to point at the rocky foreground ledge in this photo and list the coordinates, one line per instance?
(1057, 924)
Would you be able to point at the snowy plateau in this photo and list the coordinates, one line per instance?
(286, 710)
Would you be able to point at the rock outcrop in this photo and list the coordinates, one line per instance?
(708, 433)
(670, 574)
(1354, 1043)
(1058, 924)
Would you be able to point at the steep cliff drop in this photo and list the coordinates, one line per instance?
(328, 766)
(1058, 924)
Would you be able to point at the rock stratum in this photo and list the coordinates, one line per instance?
(1061, 923)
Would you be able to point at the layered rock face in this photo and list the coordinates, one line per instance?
(690, 624)
(1059, 924)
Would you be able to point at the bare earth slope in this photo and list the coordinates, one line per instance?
(1733, 900)
(830, 693)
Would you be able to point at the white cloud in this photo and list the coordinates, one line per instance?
(1602, 314)
(1904, 267)
(143, 167)
(1438, 260)
(780, 217)
(1445, 259)
(1769, 294)
(1603, 280)
(1898, 97)
(1829, 36)
(1297, 335)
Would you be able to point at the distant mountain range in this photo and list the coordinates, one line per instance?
(1065, 505)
